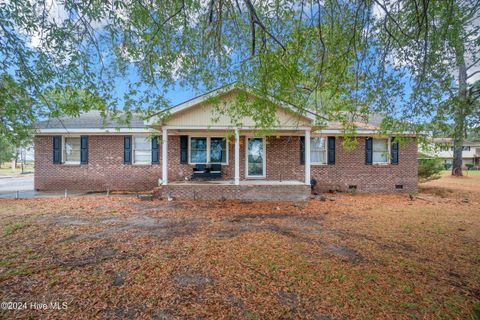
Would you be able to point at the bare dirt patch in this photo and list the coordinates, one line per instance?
(136, 226)
(190, 279)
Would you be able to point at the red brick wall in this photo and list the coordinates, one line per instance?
(283, 159)
(350, 169)
(106, 169)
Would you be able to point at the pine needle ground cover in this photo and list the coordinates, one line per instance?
(353, 256)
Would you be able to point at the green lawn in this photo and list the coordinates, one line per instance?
(6, 170)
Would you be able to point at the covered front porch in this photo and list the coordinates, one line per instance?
(200, 140)
(243, 156)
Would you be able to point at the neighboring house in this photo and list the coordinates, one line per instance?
(443, 148)
(26, 154)
(82, 154)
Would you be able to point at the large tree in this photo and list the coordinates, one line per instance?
(16, 113)
(6, 151)
(340, 60)
(438, 43)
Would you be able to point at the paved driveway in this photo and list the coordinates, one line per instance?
(14, 183)
(9, 185)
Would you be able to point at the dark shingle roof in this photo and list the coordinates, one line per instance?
(372, 123)
(90, 120)
(449, 141)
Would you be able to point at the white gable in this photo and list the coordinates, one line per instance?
(206, 113)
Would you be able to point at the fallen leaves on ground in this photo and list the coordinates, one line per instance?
(354, 256)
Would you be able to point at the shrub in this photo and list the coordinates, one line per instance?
(429, 167)
(469, 166)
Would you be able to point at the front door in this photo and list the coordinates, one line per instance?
(255, 157)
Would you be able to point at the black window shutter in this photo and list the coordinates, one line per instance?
(368, 150)
(331, 150)
(302, 150)
(127, 150)
(57, 149)
(155, 150)
(184, 149)
(394, 151)
(84, 149)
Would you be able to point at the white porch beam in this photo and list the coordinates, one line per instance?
(164, 156)
(237, 157)
(307, 157)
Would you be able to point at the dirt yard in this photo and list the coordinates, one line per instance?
(353, 256)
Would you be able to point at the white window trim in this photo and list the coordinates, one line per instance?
(325, 152)
(208, 139)
(389, 152)
(62, 154)
(264, 158)
(133, 151)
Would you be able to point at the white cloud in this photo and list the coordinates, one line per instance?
(377, 11)
(54, 13)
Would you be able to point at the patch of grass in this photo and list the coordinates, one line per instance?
(437, 191)
(11, 228)
(408, 305)
(476, 311)
(471, 172)
(6, 263)
(407, 290)
(252, 315)
(8, 171)
(19, 271)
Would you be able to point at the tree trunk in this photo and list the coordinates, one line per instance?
(459, 107)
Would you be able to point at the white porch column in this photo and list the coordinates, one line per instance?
(307, 156)
(237, 157)
(164, 156)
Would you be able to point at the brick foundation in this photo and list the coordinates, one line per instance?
(297, 192)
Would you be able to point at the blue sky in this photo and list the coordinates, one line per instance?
(178, 95)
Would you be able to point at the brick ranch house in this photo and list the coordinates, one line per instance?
(87, 153)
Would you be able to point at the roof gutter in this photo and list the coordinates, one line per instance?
(93, 131)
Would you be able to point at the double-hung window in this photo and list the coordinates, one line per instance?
(380, 151)
(198, 150)
(205, 150)
(71, 150)
(218, 150)
(142, 150)
(318, 150)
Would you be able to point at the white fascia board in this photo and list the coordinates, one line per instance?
(94, 131)
(231, 128)
(362, 132)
